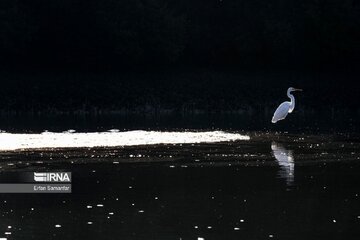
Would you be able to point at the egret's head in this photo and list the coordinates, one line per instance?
(291, 89)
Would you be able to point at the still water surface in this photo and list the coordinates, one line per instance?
(272, 186)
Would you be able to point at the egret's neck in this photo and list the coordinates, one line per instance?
(292, 103)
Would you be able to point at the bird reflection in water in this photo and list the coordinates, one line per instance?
(286, 162)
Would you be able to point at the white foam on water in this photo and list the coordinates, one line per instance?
(70, 139)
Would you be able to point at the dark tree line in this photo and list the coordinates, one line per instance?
(118, 34)
(182, 55)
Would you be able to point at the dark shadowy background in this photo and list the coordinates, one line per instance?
(189, 56)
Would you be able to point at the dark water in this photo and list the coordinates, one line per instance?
(275, 186)
(311, 122)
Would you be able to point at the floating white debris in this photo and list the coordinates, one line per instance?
(7, 233)
(141, 211)
(209, 227)
(200, 238)
(111, 213)
(271, 236)
(89, 223)
(334, 220)
(236, 228)
(99, 205)
(3, 238)
(196, 227)
(14, 141)
(89, 206)
(242, 220)
(58, 226)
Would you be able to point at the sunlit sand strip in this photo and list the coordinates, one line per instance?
(12, 141)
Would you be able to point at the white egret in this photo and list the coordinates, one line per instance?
(286, 107)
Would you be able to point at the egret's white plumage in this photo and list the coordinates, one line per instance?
(286, 107)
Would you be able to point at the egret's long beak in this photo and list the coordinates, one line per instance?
(298, 89)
